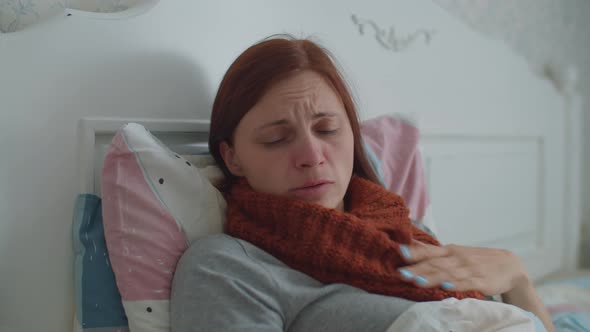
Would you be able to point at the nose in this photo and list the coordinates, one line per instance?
(309, 152)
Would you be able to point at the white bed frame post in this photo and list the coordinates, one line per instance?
(573, 160)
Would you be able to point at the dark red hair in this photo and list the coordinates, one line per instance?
(255, 71)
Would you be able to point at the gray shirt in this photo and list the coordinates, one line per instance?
(226, 284)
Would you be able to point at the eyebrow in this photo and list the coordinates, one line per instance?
(284, 121)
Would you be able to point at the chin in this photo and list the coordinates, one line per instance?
(332, 205)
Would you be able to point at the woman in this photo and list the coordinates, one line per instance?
(312, 241)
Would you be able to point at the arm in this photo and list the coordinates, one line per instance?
(217, 287)
(524, 296)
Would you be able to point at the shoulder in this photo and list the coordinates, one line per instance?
(221, 256)
(222, 248)
(212, 245)
(217, 251)
(218, 286)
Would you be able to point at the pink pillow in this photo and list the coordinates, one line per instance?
(394, 141)
(155, 203)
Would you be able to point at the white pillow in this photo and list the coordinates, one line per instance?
(467, 315)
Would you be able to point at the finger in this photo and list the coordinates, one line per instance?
(472, 284)
(433, 272)
(428, 280)
(433, 265)
(446, 279)
(419, 252)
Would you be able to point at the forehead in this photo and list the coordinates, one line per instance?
(305, 90)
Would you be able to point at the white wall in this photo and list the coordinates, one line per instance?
(544, 31)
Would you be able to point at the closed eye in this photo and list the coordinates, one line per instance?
(274, 142)
(328, 132)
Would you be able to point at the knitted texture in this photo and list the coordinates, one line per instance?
(359, 247)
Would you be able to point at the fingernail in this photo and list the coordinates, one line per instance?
(421, 280)
(406, 274)
(405, 251)
(447, 285)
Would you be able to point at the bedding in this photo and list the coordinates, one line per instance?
(98, 301)
(467, 315)
(568, 301)
(393, 144)
(155, 203)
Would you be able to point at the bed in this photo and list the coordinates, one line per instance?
(500, 137)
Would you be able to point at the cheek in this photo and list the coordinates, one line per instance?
(347, 150)
(341, 157)
(255, 162)
(265, 170)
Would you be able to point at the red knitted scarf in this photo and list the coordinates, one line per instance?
(359, 247)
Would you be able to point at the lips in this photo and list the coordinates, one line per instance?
(312, 190)
(313, 184)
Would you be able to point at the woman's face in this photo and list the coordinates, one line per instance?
(296, 141)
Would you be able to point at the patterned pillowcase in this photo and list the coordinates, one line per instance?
(156, 202)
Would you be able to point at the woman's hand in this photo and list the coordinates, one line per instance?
(461, 268)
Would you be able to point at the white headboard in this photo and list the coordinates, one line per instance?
(183, 136)
(495, 134)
